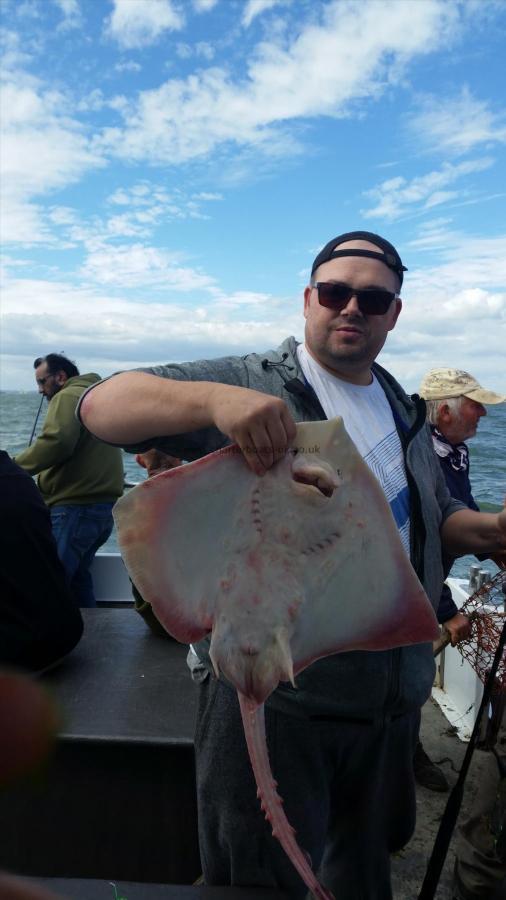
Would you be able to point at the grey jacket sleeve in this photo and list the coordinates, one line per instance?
(436, 506)
(192, 445)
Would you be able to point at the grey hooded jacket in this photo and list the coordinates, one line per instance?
(358, 685)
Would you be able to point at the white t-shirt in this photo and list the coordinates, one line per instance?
(369, 421)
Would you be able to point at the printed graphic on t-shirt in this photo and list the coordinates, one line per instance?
(385, 460)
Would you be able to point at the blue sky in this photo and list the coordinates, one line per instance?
(170, 168)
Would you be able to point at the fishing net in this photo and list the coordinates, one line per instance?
(486, 610)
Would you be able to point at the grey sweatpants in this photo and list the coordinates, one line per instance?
(348, 790)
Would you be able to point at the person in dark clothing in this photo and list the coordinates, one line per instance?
(39, 619)
(455, 404)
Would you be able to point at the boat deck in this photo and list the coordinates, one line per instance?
(117, 797)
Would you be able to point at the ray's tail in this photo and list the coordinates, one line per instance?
(254, 729)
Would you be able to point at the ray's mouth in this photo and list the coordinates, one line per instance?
(317, 480)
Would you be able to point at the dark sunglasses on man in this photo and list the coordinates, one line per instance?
(371, 301)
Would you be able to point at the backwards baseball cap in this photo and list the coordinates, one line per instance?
(441, 384)
(388, 254)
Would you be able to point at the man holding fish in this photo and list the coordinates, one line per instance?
(341, 744)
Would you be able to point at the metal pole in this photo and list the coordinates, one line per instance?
(36, 420)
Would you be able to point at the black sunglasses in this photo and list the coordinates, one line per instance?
(371, 302)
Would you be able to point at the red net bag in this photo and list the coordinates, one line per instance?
(486, 610)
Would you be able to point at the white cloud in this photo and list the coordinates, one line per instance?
(14, 50)
(133, 212)
(28, 9)
(202, 6)
(205, 195)
(457, 125)
(128, 66)
(246, 299)
(397, 196)
(204, 49)
(139, 23)
(201, 49)
(359, 54)
(62, 215)
(454, 314)
(68, 7)
(467, 263)
(22, 222)
(42, 148)
(148, 204)
(254, 8)
(184, 51)
(71, 14)
(94, 101)
(438, 197)
(454, 311)
(118, 332)
(137, 265)
(457, 305)
(433, 234)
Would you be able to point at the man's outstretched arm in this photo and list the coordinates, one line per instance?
(466, 531)
(133, 407)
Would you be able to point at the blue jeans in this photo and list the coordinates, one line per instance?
(79, 531)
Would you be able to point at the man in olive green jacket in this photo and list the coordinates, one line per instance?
(79, 477)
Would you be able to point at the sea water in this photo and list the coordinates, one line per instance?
(18, 411)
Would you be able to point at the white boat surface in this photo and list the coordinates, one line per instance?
(457, 689)
(111, 583)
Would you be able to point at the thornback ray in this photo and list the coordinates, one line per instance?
(283, 569)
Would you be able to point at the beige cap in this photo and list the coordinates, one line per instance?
(440, 384)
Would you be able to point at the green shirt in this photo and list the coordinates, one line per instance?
(73, 467)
